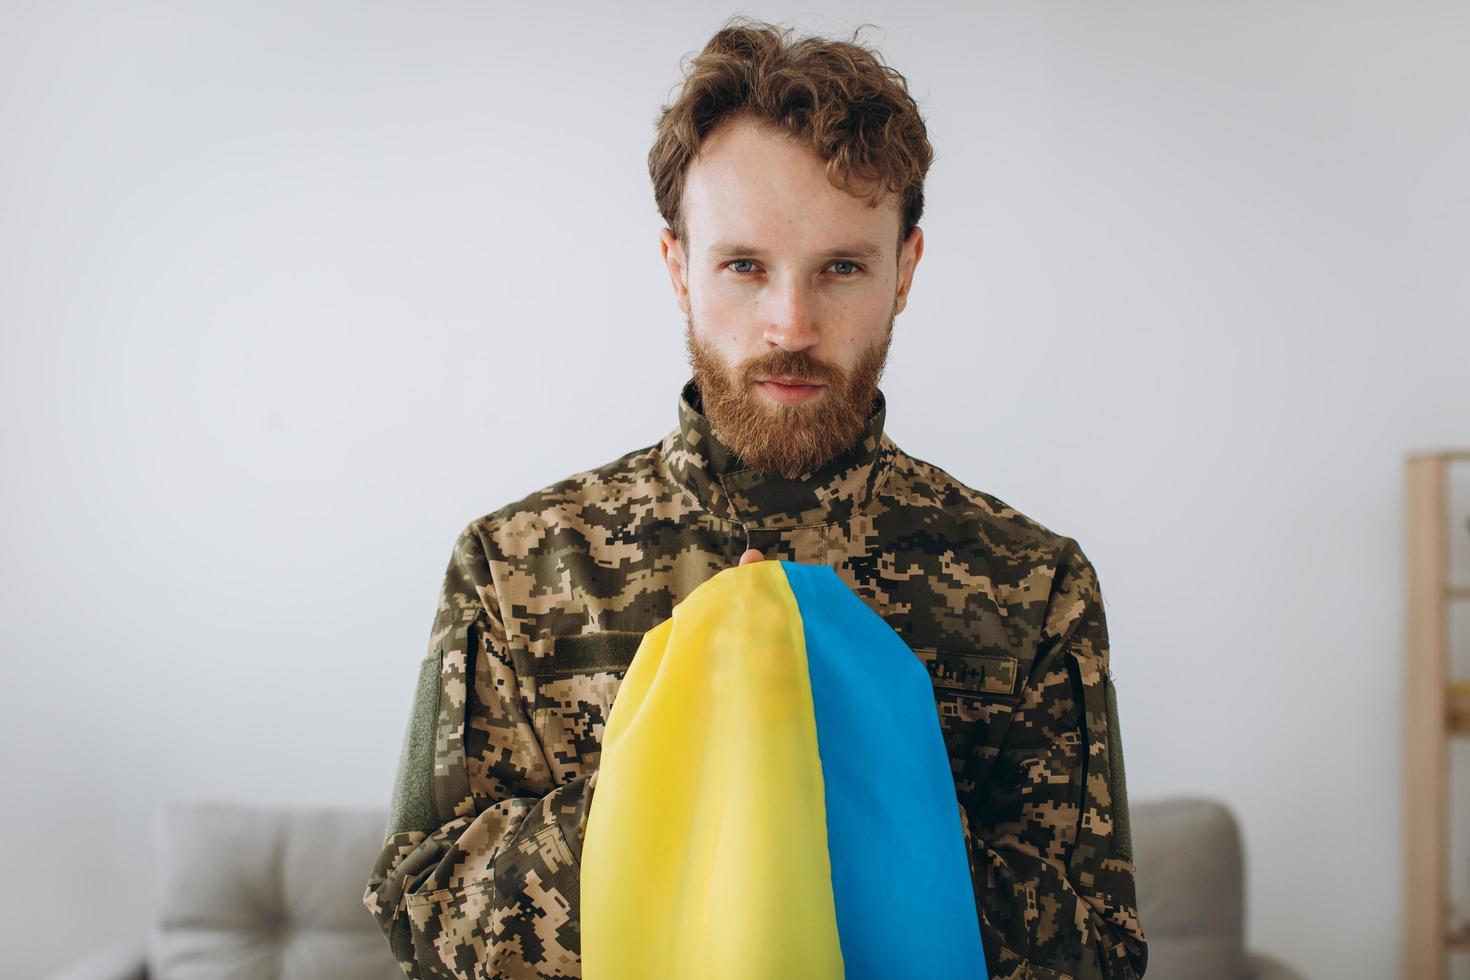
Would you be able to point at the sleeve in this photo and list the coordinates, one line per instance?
(1049, 843)
(478, 872)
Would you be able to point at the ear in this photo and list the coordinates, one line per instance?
(673, 253)
(908, 260)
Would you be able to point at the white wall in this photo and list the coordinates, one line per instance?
(289, 293)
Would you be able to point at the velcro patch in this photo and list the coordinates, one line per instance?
(973, 673)
(585, 653)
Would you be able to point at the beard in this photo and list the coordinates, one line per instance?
(786, 439)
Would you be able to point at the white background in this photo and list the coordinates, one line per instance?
(291, 292)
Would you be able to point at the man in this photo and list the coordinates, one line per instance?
(789, 173)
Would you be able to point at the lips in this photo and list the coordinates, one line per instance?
(791, 393)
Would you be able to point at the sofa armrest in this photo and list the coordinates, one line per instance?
(1262, 967)
(125, 961)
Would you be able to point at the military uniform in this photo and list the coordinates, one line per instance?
(543, 605)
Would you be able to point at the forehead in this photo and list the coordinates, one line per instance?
(754, 183)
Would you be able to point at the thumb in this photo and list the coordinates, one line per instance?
(751, 554)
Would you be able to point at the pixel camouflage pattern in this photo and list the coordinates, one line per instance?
(542, 607)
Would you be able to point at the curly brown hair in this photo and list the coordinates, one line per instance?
(836, 96)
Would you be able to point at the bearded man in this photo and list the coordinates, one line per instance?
(789, 174)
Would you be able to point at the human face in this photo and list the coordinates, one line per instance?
(785, 277)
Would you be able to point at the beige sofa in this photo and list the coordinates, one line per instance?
(250, 892)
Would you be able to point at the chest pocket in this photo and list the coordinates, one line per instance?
(572, 692)
(975, 694)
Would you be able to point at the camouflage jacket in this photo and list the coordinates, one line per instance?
(543, 605)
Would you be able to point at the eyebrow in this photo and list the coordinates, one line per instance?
(859, 250)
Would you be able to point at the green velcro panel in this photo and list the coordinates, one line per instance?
(412, 807)
(1117, 784)
(584, 653)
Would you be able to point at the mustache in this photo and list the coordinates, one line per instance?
(791, 364)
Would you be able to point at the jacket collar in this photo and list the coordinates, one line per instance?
(711, 472)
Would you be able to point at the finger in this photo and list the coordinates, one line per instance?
(751, 554)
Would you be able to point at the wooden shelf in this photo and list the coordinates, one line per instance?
(1429, 936)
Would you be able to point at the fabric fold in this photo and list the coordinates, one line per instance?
(774, 797)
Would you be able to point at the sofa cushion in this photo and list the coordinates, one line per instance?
(246, 891)
(1187, 852)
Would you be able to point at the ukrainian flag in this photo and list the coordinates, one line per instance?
(775, 798)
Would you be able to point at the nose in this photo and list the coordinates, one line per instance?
(789, 315)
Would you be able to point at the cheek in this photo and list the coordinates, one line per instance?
(865, 317)
(715, 294)
(722, 311)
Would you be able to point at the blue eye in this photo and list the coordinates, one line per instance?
(849, 270)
